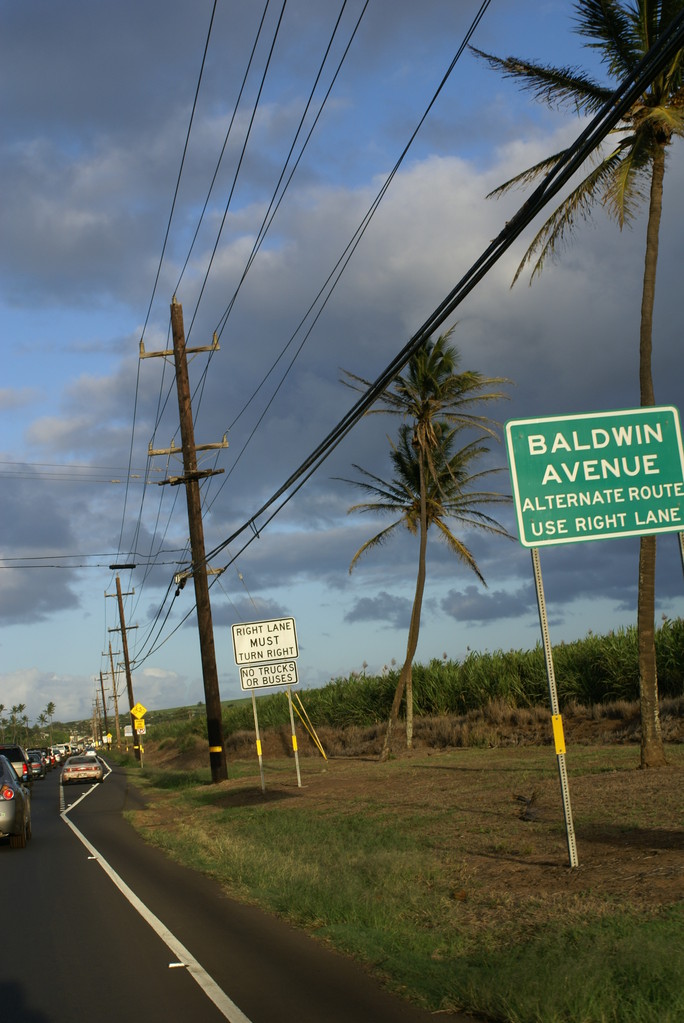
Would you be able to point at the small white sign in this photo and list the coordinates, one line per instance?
(265, 642)
(263, 676)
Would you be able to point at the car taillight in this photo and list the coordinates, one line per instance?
(7, 792)
(24, 771)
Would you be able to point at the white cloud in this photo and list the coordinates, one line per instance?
(90, 171)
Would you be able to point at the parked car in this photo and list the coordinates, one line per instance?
(82, 768)
(15, 806)
(19, 760)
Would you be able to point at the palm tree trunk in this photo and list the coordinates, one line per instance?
(652, 752)
(406, 675)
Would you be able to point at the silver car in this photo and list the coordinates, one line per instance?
(15, 807)
(82, 768)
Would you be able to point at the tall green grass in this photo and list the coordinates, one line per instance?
(590, 671)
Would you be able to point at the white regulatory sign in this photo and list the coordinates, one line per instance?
(265, 642)
(263, 676)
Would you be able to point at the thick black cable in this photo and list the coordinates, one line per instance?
(340, 266)
(618, 104)
(271, 212)
(605, 120)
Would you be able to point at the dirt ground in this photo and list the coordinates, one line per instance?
(496, 817)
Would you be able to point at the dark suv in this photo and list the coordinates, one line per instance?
(19, 760)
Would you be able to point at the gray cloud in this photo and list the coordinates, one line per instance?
(89, 160)
(383, 607)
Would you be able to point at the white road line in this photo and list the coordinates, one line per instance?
(211, 989)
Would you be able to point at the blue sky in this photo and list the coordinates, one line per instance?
(95, 109)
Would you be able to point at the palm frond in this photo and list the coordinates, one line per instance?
(458, 548)
(375, 541)
(576, 206)
(557, 87)
(527, 177)
(622, 31)
(661, 121)
(390, 494)
(612, 30)
(628, 187)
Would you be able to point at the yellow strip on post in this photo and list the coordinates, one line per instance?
(258, 747)
(558, 736)
(294, 743)
(216, 749)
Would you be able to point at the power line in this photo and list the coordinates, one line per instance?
(273, 205)
(161, 259)
(349, 251)
(180, 169)
(332, 280)
(619, 102)
(237, 170)
(605, 120)
(201, 384)
(223, 148)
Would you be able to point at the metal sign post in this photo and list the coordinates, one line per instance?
(258, 743)
(294, 737)
(592, 477)
(556, 719)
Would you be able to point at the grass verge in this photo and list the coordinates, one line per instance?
(447, 873)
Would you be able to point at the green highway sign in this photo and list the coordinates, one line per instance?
(595, 476)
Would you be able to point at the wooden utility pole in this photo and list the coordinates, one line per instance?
(104, 704)
(191, 477)
(217, 753)
(116, 699)
(127, 666)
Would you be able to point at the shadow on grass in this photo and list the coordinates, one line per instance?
(622, 835)
(252, 796)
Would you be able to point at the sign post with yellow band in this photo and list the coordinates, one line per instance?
(265, 653)
(586, 477)
(556, 720)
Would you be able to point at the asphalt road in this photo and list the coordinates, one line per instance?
(95, 923)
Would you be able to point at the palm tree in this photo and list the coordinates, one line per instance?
(621, 179)
(50, 711)
(41, 721)
(432, 480)
(2, 720)
(15, 714)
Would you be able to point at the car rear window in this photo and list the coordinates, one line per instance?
(12, 752)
